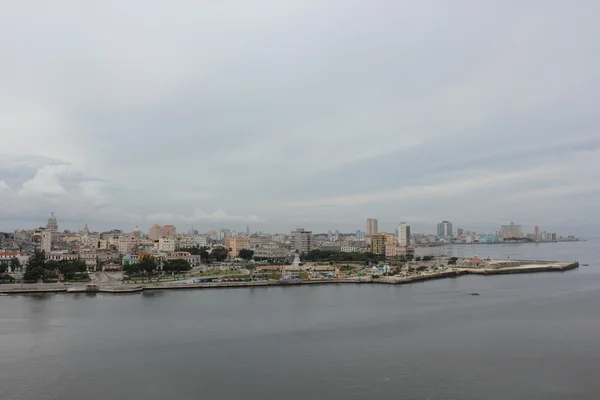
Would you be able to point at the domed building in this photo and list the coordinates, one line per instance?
(52, 224)
(137, 232)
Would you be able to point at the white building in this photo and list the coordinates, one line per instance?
(187, 241)
(46, 243)
(403, 234)
(167, 244)
(201, 241)
(302, 241)
(126, 244)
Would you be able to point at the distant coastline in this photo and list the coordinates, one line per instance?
(424, 246)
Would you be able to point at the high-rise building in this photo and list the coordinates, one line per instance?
(460, 232)
(46, 242)
(302, 240)
(536, 233)
(360, 234)
(403, 234)
(224, 234)
(511, 231)
(372, 227)
(378, 242)
(444, 229)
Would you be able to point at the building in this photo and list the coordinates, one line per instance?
(224, 234)
(52, 224)
(444, 229)
(167, 244)
(157, 231)
(536, 233)
(378, 242)
(126, 244)
(89, 257)
(403, 234)
(511, 231)
(391, 250)
(237, 243)
(302, 241)
(137, 232)
(360, 234)
(46, 241)
(187, 241)
(194, 261)
(372, 228)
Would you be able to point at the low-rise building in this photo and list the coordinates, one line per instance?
(194, 260)
(167, 244)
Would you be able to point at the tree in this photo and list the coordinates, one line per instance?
(15, 264)
(148, 265)
(219, 254)
(452, 261)
(3, 268)
(131, 269)
(246, 254)
(178, 265)
(35, 267)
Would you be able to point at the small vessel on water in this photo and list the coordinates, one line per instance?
(474, 294)
(585, 265)
(3, 294)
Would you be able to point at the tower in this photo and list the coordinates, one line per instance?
(372, 228)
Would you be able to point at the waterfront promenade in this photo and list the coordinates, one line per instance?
(522, 267)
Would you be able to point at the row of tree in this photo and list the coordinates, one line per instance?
(40, 268)
(148, 265)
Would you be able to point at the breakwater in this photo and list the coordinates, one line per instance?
(531, 267)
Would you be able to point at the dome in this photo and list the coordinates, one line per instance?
(52, 223)
(137, 232)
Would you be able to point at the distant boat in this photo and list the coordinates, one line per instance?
(474, 294)
(585, 265)
(3, 294)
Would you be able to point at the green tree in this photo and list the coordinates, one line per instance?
(36, 267)
(15, 264)
(246, 254)
(131, 269)
(219, 254)
(452, 261)
(148, 265)
(3, 268)
(178, 265)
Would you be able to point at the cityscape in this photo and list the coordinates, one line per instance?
(114, 249)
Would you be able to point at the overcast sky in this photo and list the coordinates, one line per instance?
(317, 114)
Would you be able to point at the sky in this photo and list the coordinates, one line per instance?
(316, 114)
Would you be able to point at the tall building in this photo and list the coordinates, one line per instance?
(224, 234)
(403, 234)
(360, 234)
(378, 242)
(372, 227)
(46, 242)
(511, 231)
(302, 240)
(536, 233)
(444, 229)
(159, 231)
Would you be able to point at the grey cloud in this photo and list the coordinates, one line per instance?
(276, 111)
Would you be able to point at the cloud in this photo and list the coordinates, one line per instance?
(318, 114)
(199, 216)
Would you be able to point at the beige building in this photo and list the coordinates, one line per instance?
(302, 241)
(372, 228)
(126, 244)
(167, 244)
(378, 243)
(235, 244)
(158, 231)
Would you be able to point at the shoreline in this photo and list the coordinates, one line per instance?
(393, 280)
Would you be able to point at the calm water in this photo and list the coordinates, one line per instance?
(531, 336)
